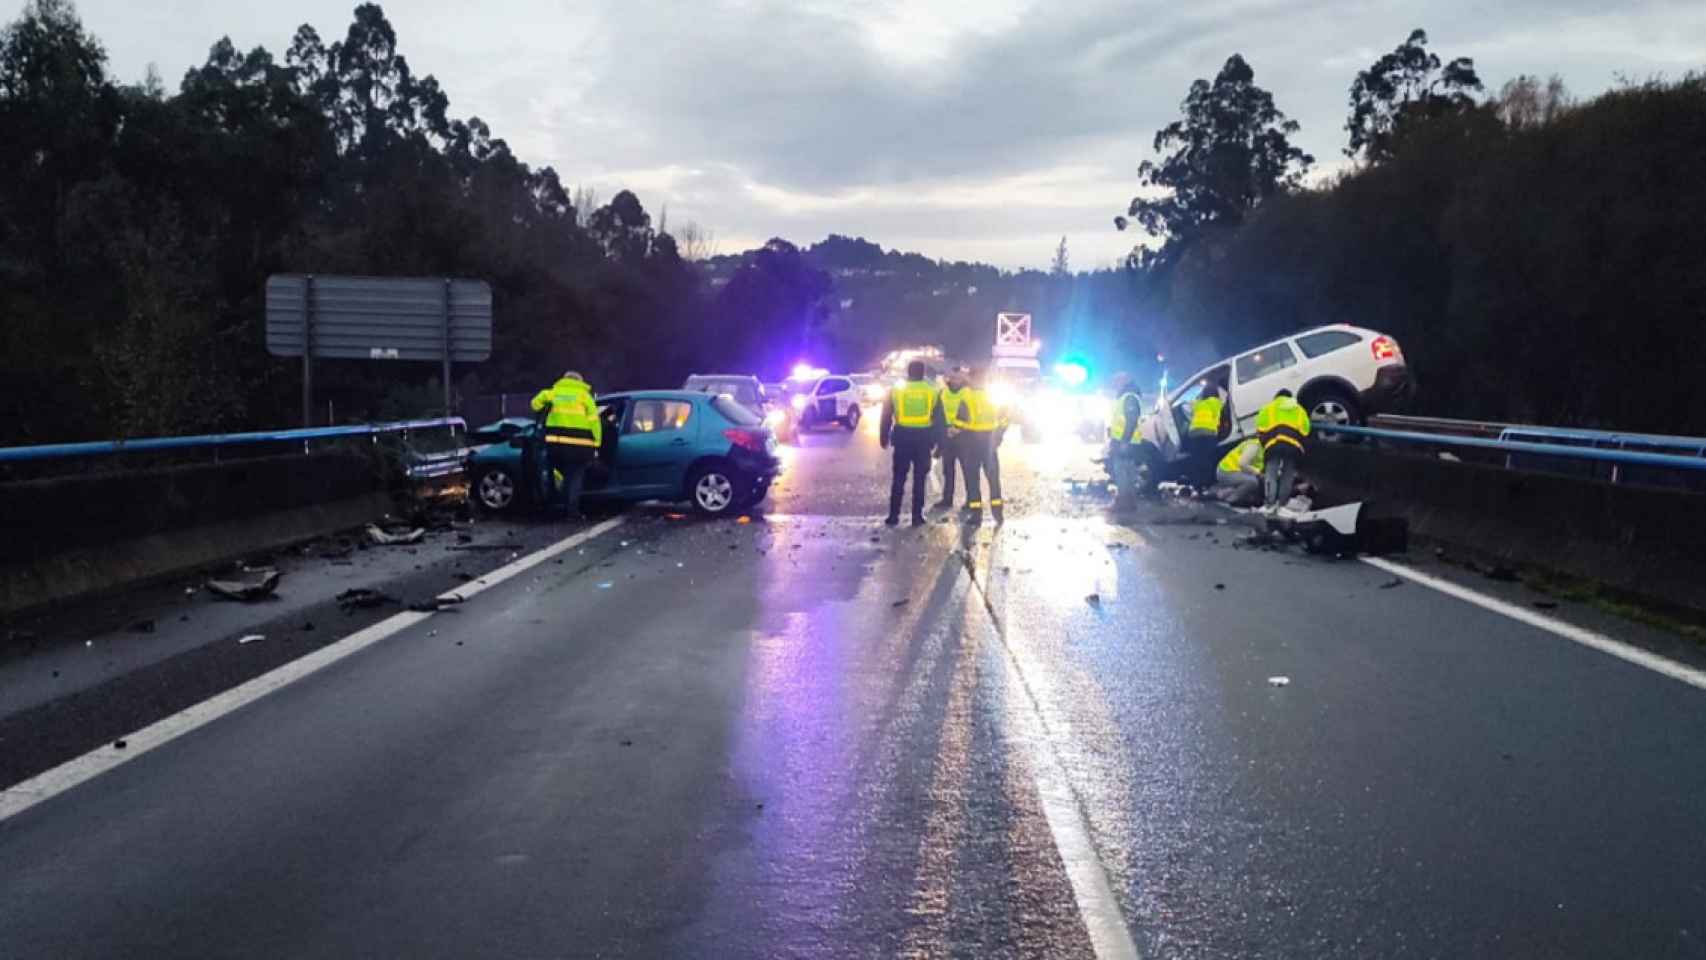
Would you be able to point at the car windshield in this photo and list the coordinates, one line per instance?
(426, 412)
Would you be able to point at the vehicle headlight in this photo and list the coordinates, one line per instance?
(774, 418)
(798, 402)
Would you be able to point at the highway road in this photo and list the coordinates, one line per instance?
(808, 735)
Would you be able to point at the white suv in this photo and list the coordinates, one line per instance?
(1339, 373)
(832, 399)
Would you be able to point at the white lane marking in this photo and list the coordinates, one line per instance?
(44, 786)
(1552, 625)
(1063, 809)
(1110, 937)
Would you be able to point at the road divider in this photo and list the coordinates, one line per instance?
(44, 786)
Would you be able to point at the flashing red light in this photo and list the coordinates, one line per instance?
(1384, 348)
(746, 439)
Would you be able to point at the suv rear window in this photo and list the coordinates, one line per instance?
(735, 413)
(1320, 344)
(833, 385)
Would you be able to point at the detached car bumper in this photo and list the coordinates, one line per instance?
(1393, 390)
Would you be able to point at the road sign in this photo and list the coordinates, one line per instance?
(1013, 336)
(377, 318)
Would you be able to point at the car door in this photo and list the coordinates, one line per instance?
(1257, 376)
(657, 442)
(1186, 397)
(829, 399)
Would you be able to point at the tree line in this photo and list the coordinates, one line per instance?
(138, 226)
(1539, 259)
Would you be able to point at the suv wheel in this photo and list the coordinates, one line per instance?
(1334, 407)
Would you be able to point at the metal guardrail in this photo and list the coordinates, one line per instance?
(449, 460)
(1634, 457)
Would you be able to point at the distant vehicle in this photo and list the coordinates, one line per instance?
(674, 445)
(765, 400)
(1340, 374)
(871, 387)
(829, 399)
(747, 390)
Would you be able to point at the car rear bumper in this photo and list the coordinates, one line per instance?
(758, 465)
(1393, 389)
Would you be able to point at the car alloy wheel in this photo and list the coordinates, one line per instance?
(497, 490)
(1330, 410)
(714, 492)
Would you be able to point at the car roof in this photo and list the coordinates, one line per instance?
(687, 395)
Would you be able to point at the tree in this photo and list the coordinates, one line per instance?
(695, 243)
(1231, 152)
(1402, 88)
(1062, 266)
(1524, 102)
(623, 227)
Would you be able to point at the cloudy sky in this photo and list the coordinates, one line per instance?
(964, 129)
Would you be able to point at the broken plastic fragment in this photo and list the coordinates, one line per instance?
(250, 585)
(250, 638)
(605, 585)
(385, 538)
(1279, 681)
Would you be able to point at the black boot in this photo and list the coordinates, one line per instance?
(892, 521)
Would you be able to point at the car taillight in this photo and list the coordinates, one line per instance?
(746, 439)
(1385, 348)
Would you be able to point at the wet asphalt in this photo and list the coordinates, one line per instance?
(808, 735)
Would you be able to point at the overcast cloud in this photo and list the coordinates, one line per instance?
(981, 130)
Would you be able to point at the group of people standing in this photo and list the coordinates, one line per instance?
(957, 420)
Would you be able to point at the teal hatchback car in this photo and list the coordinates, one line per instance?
(670, 445)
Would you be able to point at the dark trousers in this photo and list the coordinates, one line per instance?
(911, 453)
(980, 458)
(1279, 473)
(1201, 457)
(950, 466)
(571, 462)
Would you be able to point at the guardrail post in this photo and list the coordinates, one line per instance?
(307, 351)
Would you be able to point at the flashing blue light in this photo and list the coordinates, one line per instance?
(1072, 374)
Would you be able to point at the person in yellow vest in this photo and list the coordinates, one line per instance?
(1125, 445)
(1282, 426)
(1210, 423)
(954, 385)
(912, 422)
(1238, 477)
(573, 433)
(977, 425)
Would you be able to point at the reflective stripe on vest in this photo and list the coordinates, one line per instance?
(976, 412)
(1116, 417)
(914, 404)
(1205, 415)
(1231, 462)
(1282, 420)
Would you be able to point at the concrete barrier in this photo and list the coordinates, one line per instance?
(68, 536)
(1638, 540)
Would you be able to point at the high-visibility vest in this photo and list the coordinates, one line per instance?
(573, 419)
(1233, 461)
(1205, 415)
(1116, 417)
(975, 412)
(1281, 420)
(914, 404)
(950, 399)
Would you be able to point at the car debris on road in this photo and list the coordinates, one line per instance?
(248, 586)
(396, 537)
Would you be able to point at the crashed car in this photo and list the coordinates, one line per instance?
(1340, 374)
(670, 445)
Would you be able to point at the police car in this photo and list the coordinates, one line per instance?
(831, 399)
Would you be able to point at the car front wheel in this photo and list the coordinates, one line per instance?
(852, 418)
(712, 488)
(495, 489)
